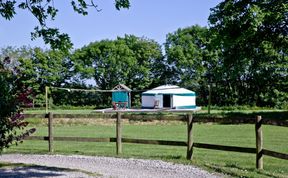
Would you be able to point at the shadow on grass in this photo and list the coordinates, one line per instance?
(167, 157)
(237, 171)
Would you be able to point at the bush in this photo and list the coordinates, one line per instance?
(12, 95)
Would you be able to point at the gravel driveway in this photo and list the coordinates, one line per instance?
(92, 166)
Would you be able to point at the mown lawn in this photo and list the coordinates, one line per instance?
(234, 164)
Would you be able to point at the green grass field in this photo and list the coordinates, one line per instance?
(233, 164)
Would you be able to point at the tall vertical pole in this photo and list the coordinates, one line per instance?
(259, 143)
(209, 98)
(46, 99)
(129, 106)
(189, 136)
(50, 132)
(118, 134)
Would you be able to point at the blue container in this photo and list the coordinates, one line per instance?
(121, 96)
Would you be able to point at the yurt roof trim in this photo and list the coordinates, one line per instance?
(169, 89)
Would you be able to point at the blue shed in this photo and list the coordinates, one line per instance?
(121, 97)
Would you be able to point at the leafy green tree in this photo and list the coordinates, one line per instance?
(253, 39)
(130, 60)
(149, 69)
(185, 50)
(45, 68)
(44, 10)
(192, 59)
(135, 62)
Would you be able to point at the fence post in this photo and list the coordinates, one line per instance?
(50, 133)
(46, 99)
(118, 134)
(209, 99)
(189, 136)
(259, 143)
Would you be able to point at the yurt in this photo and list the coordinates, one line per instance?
(169, 96)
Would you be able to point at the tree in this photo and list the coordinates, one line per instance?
(44, 10)
(150, 62)
(12, 94)
(129, 60)
(45, 68)
(185, 50)
(191, 58)
(135, 62)
(253, 38)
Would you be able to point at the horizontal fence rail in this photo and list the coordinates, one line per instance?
(275, 154)
(145, 141)
(134, 117)
(259, 150)
(75, 139)
(225, 148)
(111, 139)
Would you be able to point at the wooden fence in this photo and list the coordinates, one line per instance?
(190, 144)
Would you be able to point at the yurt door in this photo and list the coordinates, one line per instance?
(166, 101)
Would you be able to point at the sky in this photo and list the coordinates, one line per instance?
(152, 19)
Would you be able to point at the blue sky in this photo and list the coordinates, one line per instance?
(145, 18)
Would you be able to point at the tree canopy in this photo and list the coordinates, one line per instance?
(186, 51)
(133, 61)
(253, 38)
(192, 59)
(44, 10)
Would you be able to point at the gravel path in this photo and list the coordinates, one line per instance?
(82, 166)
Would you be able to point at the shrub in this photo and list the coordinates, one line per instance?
(12, 95)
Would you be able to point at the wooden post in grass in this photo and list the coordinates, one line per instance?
(259, 143)
(46, 99)
(118, 134)
(189, 136)
(209, 99)
(50, 133)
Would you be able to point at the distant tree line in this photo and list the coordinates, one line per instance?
(243, 56)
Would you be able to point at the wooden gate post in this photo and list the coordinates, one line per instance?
(118, 134)
(50, 132)
(189, 136)
(259, 143)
